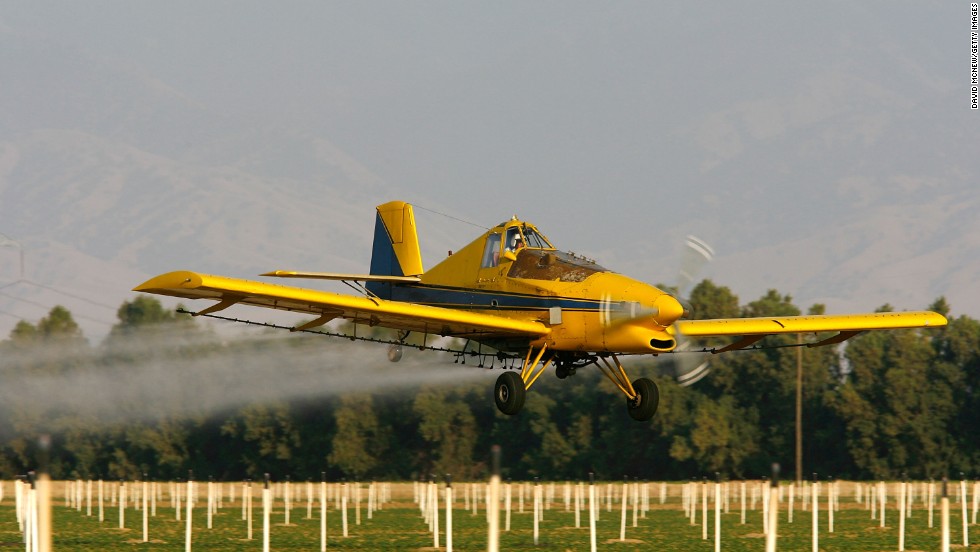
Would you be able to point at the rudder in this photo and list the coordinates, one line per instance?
(396, 243)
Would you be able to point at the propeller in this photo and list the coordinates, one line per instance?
(689, 367)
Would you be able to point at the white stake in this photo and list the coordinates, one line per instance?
(765, 510)
(717, 516)
(288, 499)
(901, 516)
(248, 504)
(622, 521)
(537, 508)
(815, 508)
(357, 503)
(309, 500)
(266, 507)
(742, 498)
(636, 503)
(189, 504)
(449, 514)
(592, 512)
(122, 504)
(101, 507)
(692, 497)
(210, 503)
(435, 514)
(873, 491)
(944, 519)
(146, 513)
(882, 500)
(831, 505)
(792, 491)
(493, 511)
(343, 509)
(323, 511)
(508, 492)
(773, 513)
(966, 531)
(704, 509)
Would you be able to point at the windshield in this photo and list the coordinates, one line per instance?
(535, 240)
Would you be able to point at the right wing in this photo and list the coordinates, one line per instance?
(752, 330)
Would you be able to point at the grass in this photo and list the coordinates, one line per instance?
(400, 527)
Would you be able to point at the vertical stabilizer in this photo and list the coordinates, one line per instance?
(396, 242)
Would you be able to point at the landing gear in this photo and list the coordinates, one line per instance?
(511, 388)
(509, 393)
(644, 405)
(642, 395)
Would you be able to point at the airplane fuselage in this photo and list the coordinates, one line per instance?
(587, 307)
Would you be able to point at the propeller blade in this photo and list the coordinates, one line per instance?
(689, 367)
(696, 254)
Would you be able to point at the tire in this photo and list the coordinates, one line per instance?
(509, 393)
(647, 400)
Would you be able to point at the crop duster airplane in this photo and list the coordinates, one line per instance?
(511, 290)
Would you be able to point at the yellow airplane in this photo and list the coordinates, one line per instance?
(511, 290)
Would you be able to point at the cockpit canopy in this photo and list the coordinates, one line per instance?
(532, 255)
(511, 237)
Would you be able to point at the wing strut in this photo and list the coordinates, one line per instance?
(323, 319)
(224, 304)
(839, 338)
(746, 341)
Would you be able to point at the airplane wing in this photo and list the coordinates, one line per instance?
(752, 330)
(327, 306)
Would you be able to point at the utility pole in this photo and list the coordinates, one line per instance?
(799, 408)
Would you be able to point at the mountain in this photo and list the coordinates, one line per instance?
(833, 161)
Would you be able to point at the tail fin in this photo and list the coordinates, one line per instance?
(396, 242)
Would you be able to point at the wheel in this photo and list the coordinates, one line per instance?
(644, 406)
(509, 393)
(394, 353)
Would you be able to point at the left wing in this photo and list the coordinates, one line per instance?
(752, 330)
(327, 306)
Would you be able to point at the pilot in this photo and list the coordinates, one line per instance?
(517, 244)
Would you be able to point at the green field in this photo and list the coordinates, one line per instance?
(400, 526)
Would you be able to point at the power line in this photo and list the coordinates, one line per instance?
(48, 308)
(480, 226)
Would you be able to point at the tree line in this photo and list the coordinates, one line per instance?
(881, 405)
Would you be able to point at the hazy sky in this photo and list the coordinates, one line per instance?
(618, 127)
(541, 103)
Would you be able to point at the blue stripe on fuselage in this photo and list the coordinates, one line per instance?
(463, 298)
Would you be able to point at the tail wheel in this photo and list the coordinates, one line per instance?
(509, 393)
(644, 406)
